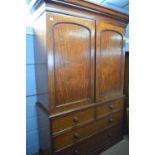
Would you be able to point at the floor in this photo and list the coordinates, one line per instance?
(121, 148)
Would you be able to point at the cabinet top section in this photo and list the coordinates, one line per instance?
(80, 5)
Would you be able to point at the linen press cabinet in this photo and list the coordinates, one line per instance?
(79, 54)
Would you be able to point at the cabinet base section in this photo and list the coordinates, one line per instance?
(95, 144)
(105, 147)
(45, 152)
(70, 151)
(126, 116)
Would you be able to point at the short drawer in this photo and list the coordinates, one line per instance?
(86, 131)
(104, 109)
(93, 143)
(65, 122)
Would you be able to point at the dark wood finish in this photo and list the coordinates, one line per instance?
(70, 61)
(83, 132)
(83, 5)
(80, 68)
(105, 139)
(94, 142)
(109, 107)
(110, 58)
(102, 148)
(87, 107)
(126, 92)
(99, 9)
(126, 79)
(62, 123)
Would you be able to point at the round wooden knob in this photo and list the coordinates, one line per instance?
(111, 120)
(111, 106)
(76, 152)
(109, 134)
(75, 119)
(76, 135)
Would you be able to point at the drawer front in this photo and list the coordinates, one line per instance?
(98, 126)
(104, 109)
(80, 133)
(62, 123)
(105, 139)
(99, 140)
(94, 142)
(63, 140)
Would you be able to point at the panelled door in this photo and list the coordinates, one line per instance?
(109, 61)
(70, 52)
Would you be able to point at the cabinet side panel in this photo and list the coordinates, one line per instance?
(44, 132)
(41, 54)
(42, 84)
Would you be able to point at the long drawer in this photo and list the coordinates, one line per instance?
(93, 143)
(70, 120)
(81, 133)
(103, 109)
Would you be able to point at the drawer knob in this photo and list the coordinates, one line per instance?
(76, 152)
(109, 134)
(75, 119)
(76, 135)
(111, 106)
(111, 120)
